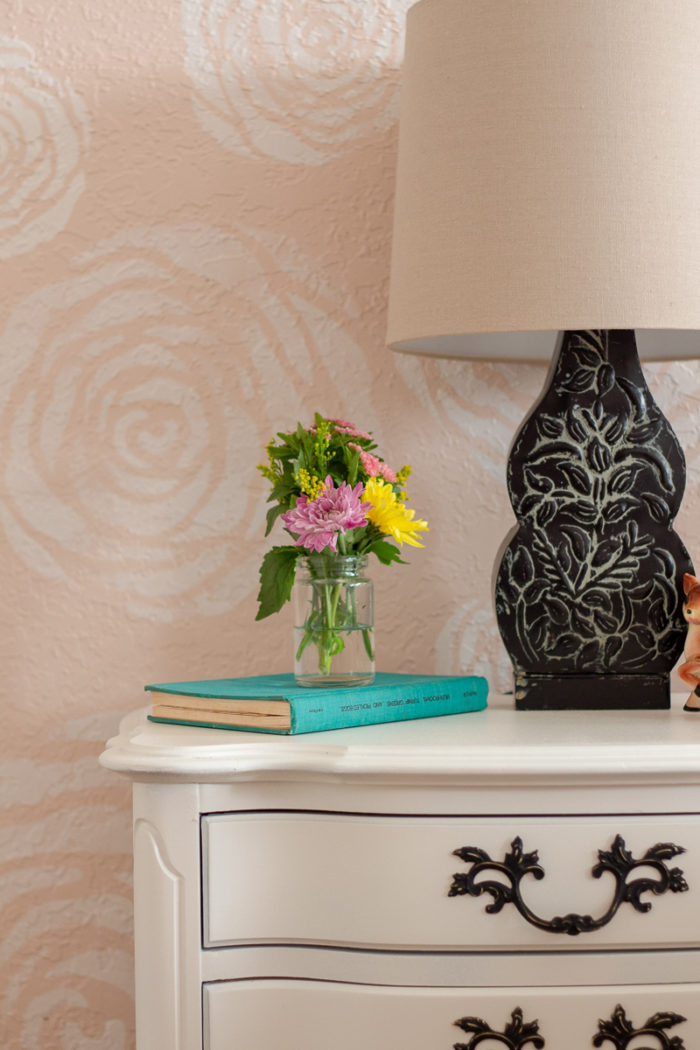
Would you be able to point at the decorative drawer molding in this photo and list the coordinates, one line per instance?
(399, 882)
(267, 1014)
(472, 970)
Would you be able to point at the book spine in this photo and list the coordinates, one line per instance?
(394, 703)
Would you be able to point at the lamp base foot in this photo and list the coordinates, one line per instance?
(591, 692)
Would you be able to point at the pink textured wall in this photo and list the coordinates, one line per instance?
(195, 211)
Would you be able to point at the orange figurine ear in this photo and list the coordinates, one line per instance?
(689, 582)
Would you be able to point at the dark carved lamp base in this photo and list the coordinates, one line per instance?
(591, 692)
(589, 591)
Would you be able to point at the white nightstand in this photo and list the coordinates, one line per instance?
(305, 891)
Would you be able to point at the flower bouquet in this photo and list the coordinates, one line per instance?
(339, 502)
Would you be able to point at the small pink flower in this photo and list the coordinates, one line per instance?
(344, 426)
(317, 522)
(373, 466)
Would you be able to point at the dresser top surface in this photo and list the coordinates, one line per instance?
(497, 742)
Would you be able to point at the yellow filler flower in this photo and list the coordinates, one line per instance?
(390, 516)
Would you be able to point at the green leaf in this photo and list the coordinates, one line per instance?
(353, 465)
(284, 491)
(277, 574)
(284, 451)
(272, 516)
(386, 552)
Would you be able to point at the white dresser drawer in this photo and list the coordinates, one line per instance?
(395, 882)
(313, 1015)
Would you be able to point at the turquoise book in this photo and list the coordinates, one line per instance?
(276, 704)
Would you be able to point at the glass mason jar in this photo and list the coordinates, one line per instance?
(333, 603)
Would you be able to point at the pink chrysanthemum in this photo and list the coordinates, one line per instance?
(317, 522)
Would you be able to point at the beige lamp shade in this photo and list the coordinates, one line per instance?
(548, 176)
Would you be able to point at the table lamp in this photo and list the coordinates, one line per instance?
(548, 182)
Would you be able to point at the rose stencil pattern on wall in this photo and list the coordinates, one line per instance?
(46, 130)
(195, 226)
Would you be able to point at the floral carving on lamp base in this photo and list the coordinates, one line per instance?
(587, 593)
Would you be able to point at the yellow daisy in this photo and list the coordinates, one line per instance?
(390, 516)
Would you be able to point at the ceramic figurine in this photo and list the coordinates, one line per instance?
(690, 670)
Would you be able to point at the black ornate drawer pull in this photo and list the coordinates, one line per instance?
(618, 861)
(515, 1034)
(619, 1031)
